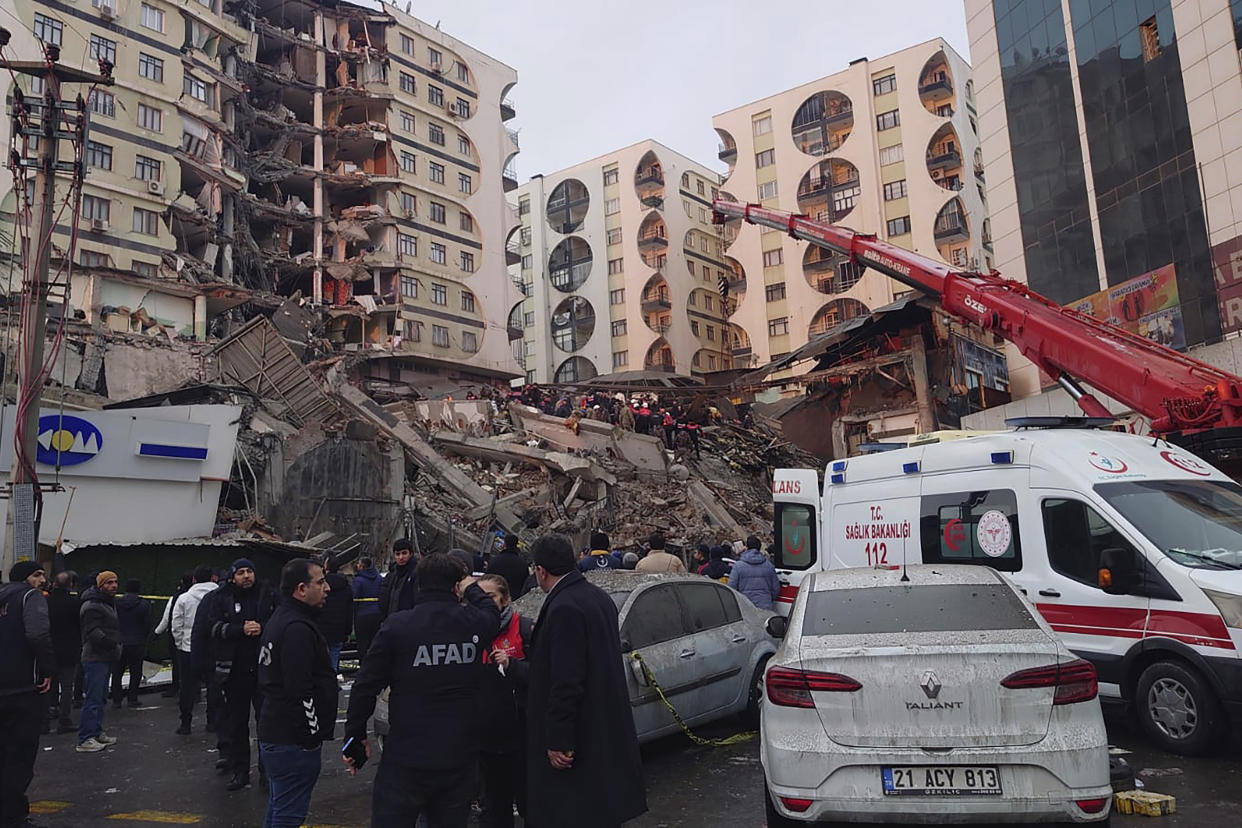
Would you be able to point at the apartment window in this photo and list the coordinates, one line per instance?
(465, 222)
(765, 159)
(150, 118)
(435, 134)
(407, 122)
(439, 336)
(528, 348)
(436, 172)
(413, 330)
(151, 68)
(463, 108)
(146, 222)
(620, 359)
(463, 72)
(692, 300)
(408, 202)
(434, 58)
(884, 85)
(463, 144)
(611, 176)
(103, 103)
(407, 161)
(407, 245)
(48, 29)
(524, 207)
(435, 95)
(895, 190)
(96, 208)
(467, 264)
(145, 269)
(891, 155)
(711, 333)
(98, 155)
(615, 266)
(899, 226)
(619, 328)
(614, 235)
(1149, 36)
(439, 254)
(694, 327)
(887, 120)
(93, 258)
(616, 297)
(195, 88)
(763, 126)
(767, 190)
(409, 284)
(102, 48)
(772, 258)
(612, 206)
(407, 82)
(467, 301)
(527, 262)
(438, 213)
(469, 342)
(528, 319)
(702, 244)
(690, 266)
(774, 293)
(778, 327)
(464, 184)
(524, 235)
(146, 168)
(698, 185)
(151, 18)
(439, 294)
(708, 302)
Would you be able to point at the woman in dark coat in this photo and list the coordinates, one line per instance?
(582, 752)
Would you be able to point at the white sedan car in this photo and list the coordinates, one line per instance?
(930, 695)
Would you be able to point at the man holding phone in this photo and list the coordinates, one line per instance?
(431, 657)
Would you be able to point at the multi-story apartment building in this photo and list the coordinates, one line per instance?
(1112, 133)
(887, 146)
(246, 153)
(620, 269)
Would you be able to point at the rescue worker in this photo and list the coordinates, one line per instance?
(236, 614)
(431, 657)
(600, 556)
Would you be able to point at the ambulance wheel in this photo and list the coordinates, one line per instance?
(1177, 709)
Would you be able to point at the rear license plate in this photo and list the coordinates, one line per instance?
(941, 780)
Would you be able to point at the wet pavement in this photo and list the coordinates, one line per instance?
(152, 776)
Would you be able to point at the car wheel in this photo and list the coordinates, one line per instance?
(774, 817)
(754, 699)
(1177, 709)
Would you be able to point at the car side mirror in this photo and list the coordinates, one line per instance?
(777, 626)
(1118, 572)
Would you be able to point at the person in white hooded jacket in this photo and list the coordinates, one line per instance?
(182, 624)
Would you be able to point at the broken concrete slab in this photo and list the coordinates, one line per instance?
(716, 512)
(502, 452)
(643, 452)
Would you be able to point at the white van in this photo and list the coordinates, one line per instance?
(1131, 549)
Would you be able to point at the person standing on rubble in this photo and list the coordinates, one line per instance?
(625, 417)
(367, 616)
(390, 591)
(657, 560)
(755, 577)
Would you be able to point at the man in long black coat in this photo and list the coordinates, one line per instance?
(582, 751)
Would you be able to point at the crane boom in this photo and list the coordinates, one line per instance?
(1176, 392)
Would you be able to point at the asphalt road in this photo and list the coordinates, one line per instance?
(152, 777)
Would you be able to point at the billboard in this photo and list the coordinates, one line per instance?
(1146, 305)
(1227, 263)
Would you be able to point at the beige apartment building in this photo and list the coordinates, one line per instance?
(887, 146)
(619, 269)
(355, 159)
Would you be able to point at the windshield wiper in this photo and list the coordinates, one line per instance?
(1199, 556)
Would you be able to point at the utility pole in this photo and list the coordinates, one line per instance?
(49, 121)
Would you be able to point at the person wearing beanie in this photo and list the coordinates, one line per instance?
(717, 567)
(234, 617)
(366, 590)
(27, 665)
(133, 613)
(508, 564)
(658, 560)
(101, 649)
(600, 556)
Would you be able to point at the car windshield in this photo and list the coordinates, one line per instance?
(1195, 522)
(915, 608)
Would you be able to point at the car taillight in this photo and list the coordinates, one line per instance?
(796, 805)
(1074, 681)
(1092, 806)
(793, 688)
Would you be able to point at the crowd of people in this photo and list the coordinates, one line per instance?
(486, 706)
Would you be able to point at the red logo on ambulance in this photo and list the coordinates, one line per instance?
(1104, 463)
(1186, 463)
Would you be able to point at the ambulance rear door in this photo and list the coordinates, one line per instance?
(797, 530)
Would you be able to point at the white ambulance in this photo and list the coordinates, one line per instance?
(1130, 548)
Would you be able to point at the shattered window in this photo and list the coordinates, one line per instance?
(611, 176)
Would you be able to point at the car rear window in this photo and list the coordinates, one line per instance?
(915, 608)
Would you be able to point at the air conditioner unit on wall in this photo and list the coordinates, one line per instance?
(99, 225)
(155, 187)
(437, 67)
(454, 110)
(106, 11)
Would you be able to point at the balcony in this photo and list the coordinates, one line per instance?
(951, 228)
(651, 177)
(660, 365)
(936, 88)
(513, 138)
(726, 153)
(513, 331)
(945, 161)
(979, 169)
(513, 253)
(508, 178)
(817, 187)
(659, 327)
(507, 110)
(654, 201)
(652, 241)
(737, 285)
(820, 264)
(741, 351)
(656, 301)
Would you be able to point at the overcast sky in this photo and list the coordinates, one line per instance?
(595, 76)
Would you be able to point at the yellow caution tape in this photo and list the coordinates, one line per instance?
(736, 738)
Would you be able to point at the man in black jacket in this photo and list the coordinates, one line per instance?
(337, 619)
(62, 613)
(27, 663)
(431, 657)
(133, 613)
(235, 615)
(101, 648)
(579, 729)
(299, 694)
(390, 591)
(509, 564)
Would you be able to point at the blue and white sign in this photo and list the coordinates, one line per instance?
(66, 440)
